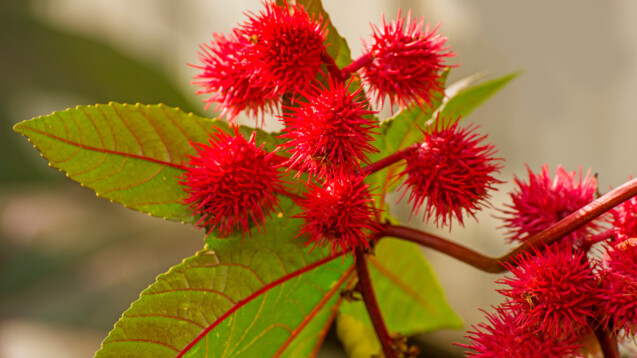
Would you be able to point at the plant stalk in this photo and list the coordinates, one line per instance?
(495, 265)
(367, 291)
(357, 64)
(607, 341)
(387, 161)
(332, 68)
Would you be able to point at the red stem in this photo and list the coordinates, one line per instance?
(495, 265)
(464, 254)
(579, 218)
(357, 64)
(607, 341)
(387, 161)
(367, 291)
(332, 68)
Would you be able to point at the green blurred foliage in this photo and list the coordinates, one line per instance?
(40, 283)
(38, 56)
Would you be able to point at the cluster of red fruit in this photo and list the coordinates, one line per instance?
(562, 296)
(278, 61)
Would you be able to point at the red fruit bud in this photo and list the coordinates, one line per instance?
(451, 172)
(339, 214)
(231, 183)
(331, 132)
(406, 61)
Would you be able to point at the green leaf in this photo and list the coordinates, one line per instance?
(466, 100)
(409, 295)
(262, 295)
(336, 45)
(130, 154)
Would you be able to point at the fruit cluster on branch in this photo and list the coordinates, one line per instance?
(277, 62)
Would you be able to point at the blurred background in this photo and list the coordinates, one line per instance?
(71, 263)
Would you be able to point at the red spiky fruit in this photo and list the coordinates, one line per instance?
(544, 201)
(450, 172)
(406, 61)
(619, 289)
(229, 78)
(286, 47)
(624, 220)
(555, 291)
(504, 337)
(231, 183)
(339, 214)
(331, 132)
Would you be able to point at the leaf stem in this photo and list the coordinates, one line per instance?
(607, 341)
(495, 265)
(450, 248)
(367, 291)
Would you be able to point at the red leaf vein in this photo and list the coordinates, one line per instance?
(254, 295)
(102, 150)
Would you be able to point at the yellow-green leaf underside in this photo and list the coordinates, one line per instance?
(130, 154)
(262, 295)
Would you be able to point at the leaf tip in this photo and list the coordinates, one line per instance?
(16, 127)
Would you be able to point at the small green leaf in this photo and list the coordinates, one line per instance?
(130, 154)
(409, 295)
(336, 45)
(262, 295)
(468, 99)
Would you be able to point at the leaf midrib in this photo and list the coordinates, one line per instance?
(253, 296)
(103, 150)
(315, 310)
